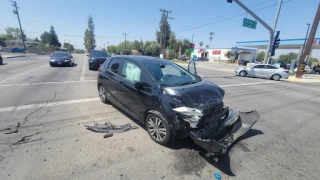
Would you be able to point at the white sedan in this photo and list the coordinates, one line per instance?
(263, 71)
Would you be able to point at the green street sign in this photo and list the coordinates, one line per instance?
(191, 50)
(249, 23)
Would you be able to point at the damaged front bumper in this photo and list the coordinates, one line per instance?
(220, 132)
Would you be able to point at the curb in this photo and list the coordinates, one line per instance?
(293, 79)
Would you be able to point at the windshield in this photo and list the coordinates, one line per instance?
(60, 54)
(169, 74)
(99, 54)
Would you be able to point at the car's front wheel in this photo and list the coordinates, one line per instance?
(243, 73)
(102, 94)
(158, 129)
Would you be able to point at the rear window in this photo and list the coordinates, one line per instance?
(99, 54)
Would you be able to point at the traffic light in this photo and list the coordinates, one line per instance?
(229, 1)
(275, 43)
(191, 47)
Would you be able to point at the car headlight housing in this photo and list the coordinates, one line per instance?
(67, 60)
(52, 60)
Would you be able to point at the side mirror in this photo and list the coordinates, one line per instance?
(138, 86)
(192, 67)
(71, 56)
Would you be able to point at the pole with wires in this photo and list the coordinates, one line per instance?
(16, 12)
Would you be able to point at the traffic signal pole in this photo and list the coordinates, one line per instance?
(262, 22)
(314, 27)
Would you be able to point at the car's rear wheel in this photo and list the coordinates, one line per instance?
(102, 94)
(158, 129)
(276, 77)
(243, 73)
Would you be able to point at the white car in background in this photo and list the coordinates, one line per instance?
(263, 71)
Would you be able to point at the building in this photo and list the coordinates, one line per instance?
(17, 43)
(220, 54)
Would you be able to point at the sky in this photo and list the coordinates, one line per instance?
(140, 19)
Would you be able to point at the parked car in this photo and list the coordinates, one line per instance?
(243, 62)
(96, 58)
(171, 102)
(1, 60)
(183, 58)
(316, 69)
(60, 58)
(263, 71)
(202, 59)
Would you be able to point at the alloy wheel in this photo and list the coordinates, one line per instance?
(157, 129)
(102, 93)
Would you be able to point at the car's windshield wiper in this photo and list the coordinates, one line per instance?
(190, 82)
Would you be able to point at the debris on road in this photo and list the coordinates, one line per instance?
(11, 129)
(109, 128)
(217, 175)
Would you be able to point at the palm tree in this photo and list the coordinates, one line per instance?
(200, 44)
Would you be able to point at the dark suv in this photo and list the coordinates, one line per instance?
(96, 58)
(1, 60)
(172, 102)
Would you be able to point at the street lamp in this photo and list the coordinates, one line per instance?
(192, 37)
(304, 44)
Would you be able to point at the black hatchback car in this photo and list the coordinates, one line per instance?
(171, 102)
(96, 58)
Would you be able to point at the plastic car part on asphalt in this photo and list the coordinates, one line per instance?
(109, 128)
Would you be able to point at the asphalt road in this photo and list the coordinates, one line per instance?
(53, 104)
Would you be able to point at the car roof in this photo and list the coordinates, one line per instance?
(144, 59)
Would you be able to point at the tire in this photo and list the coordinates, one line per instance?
(102, 94)
(159, 130)
(243, 73)
(70, 65)
(276, 77)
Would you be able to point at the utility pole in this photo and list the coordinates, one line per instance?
(16, 12)
(211, 34)
(305, 40)
(192, 37)
(125, 42)
(262, 22)
(314, 27)
(166, 12)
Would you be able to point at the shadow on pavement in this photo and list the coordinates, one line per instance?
(74, 65)
(221, 162)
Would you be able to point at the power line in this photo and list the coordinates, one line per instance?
(240, 10)
(239, 15)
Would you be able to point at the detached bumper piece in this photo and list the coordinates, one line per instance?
(233, 126)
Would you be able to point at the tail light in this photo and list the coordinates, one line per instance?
(99, 69)
(287, 71)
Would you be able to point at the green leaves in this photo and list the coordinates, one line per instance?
(89, 36)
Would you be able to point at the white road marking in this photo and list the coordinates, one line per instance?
(83, 70)
(22, 73)
(44, 83)
(32, 106)
(247, 84)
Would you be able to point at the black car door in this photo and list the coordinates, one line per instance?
(111, 82)
(137, 89)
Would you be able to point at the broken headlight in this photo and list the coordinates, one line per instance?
(190, 115)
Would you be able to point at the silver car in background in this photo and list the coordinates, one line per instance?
(263, 71)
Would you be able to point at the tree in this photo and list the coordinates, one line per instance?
(139, 46)
(68, 46)
(89, 36)
(36, 39)
(45, 37)
(200, 44)
(152, 48)
(260, 56)
(229, 54)
(53, 38)
(207, 46)
(163, 35)
(286, 58)
(187, 52)
(313, 61)
(15, 33)
(112, 49)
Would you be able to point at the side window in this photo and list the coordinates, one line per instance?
(115, 65)
(259, 66)
(271, 67)
(131, 71)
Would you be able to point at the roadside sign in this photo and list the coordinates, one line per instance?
(249, 23)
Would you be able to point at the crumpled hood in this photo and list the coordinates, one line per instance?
(202, 95)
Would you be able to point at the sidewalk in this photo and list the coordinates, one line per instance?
(14, 55)
(306, 78)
